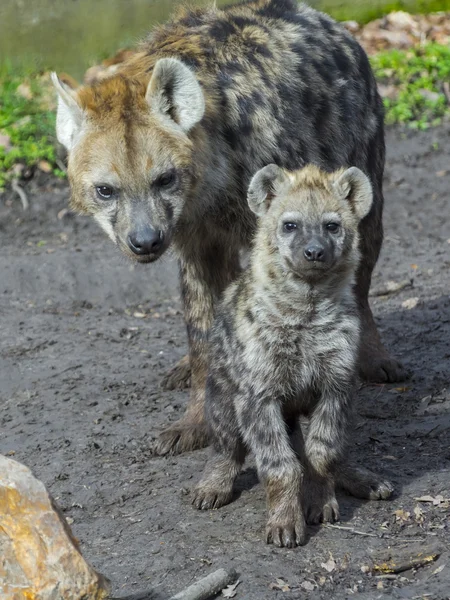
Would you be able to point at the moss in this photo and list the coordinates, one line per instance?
(417, 77)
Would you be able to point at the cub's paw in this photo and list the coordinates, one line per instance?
(362, 483)
(319, 501)
(204, 497)
(179, 377)
(286, 527)
(183, 436)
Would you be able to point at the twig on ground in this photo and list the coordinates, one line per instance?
(21, 193)
(208, 586)
(351, 530)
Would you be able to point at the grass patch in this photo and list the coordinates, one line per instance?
(27, 123)
(415, 79)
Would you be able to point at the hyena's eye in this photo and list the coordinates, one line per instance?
(104, 192)
(289, 227)
(166, 179)
(332, 227)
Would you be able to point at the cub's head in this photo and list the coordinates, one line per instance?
(131, 154)
(309, 218)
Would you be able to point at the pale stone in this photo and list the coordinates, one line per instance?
(39, 557)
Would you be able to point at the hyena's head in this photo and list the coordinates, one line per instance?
(131, 153)
(309, 218)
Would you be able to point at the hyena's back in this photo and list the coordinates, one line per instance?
(283, 83)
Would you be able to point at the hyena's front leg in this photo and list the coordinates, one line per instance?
(324, 451)
(264, 430)
(204, 275)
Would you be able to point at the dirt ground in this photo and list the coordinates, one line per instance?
(86, 338)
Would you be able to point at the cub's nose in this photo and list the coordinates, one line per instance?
(145, 240)
(314, 252)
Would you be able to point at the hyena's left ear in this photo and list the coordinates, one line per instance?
(69, 116)
(263, 187)
(356, 188)
(174, 93)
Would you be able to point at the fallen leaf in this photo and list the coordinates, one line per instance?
(438, 570)
(436, 501)
(280, 584)
(230, 590)
(401, 515)
(45, 166)
(330, 565)
(418, 513)
(24, 90)
(365, 569)
(442, 173)
(414, 267)
(410, 303)
(308, 586)
(380, 585)
(139, 315)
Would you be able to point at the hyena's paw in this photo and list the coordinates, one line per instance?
(286, 527)
(179, 377)
(319, 500)
(362, 483)
(183, 436)
(207, 496)
(377, 366)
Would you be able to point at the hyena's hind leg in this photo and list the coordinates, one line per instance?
(179, 376)
(362, 483)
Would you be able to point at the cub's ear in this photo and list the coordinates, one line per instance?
(263, 188)
(356, 188)
(174, 92)
(69, 116)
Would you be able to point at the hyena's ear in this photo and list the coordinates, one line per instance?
(69, 116)
(174, 93)
(263, 188)
(356, 188)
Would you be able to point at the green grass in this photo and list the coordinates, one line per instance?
(419, 75)
(29, 122)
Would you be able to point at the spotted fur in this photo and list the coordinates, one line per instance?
(211, 97)
(284, 344)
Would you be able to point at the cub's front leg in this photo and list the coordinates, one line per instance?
(205, 271)
(264, 431)
(325, 447)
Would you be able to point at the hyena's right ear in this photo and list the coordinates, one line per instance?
(69, 117)
(356, 188)
(262, 188)
(174, 94)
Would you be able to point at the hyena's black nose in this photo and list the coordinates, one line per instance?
(314, 251)
(145, 240)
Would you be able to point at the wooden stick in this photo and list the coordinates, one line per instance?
(208, 586)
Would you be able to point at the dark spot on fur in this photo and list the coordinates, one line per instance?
(221, 30)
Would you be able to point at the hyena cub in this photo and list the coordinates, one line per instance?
(284, 344)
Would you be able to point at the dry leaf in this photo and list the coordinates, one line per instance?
(401, 515)
(442, 173)
(24, 90)
(436, 501)
(418, 513)
(45, 166)
(410, 303)
(139, 315)
(230, 590)
(308, 586)
(414, 267)
(330, 565)
(365, 569)
(280, 584)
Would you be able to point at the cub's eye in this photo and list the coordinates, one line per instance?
(288, 227)
(104, 192)
(332, 227)
(166, 179)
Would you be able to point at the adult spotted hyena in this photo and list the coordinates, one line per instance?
(284, 343)
(161, 153)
